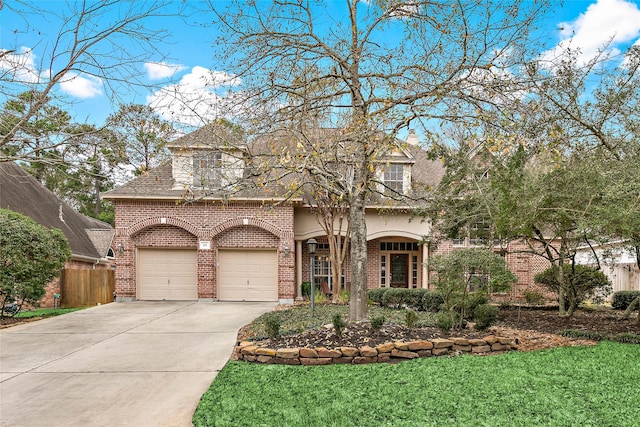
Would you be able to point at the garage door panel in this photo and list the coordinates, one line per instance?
(247, 275)
(167, 274)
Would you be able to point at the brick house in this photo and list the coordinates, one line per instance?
(175, 240)
(89, 239)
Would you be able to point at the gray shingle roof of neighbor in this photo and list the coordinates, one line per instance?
(22, 193)
(158, 183)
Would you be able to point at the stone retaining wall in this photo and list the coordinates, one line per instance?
(387, 352)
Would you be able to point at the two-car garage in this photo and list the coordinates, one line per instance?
(242, 274)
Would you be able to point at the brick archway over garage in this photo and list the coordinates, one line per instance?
(148, 222)
(255, 222)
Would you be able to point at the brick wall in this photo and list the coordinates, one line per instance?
(177, 225)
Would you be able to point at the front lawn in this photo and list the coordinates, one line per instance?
(586, 386)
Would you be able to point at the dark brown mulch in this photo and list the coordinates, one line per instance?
(360, 334)
(604, 321)
(532, 329)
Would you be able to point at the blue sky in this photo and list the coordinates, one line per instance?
(189, 67)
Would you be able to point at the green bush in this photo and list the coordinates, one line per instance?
(432, 301)
(413, 298)
(444, 320)
(377, 322)
(410, 318)
(533, 297)
(476, 299)
(31, 256)
(622, 299)
(485, 315)
(272, 325)
(393, 298)
(306, 289)
(338, 324)
(344, 297)
(375, 295)
(579, 283)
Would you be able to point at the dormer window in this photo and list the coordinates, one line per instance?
(207, 169)
(394, 177)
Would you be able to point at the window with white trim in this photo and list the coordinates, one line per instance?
(394, 177)
(207, 169)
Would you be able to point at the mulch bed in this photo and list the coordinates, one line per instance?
(532, 329)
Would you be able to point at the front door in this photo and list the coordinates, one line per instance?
(400, 270)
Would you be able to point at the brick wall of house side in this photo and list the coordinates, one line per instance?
(178, 225)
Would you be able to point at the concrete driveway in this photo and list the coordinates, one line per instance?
(136, 364)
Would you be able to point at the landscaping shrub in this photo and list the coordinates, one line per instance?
(485, 315)
(305, 287)
(272, 325)
(579, 283)
(432, 301)
(377, 322)
(533, 297)
(393, 298)
(411, 318)
(375, 295)
(476, 299)
(444, 320)
(622, 299)
(338, 324)
(344, 297)
(319, 297)
(413, 298)
(465, 275)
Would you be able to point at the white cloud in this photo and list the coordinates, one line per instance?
(617, 20)
(81, 86)
(201, 96)
(161, 70)
(18, 66)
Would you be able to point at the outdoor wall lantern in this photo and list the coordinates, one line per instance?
(287, 250)
(312, 244)
(120, 248)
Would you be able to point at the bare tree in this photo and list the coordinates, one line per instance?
(89, 44)
(369, 70)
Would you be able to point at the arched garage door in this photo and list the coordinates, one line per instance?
(167, 274)
(247, 275)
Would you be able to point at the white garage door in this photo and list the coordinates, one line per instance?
(247, 275)
(167, 274)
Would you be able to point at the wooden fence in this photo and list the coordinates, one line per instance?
(85, 287)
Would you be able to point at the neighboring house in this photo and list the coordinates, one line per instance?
(90, 240)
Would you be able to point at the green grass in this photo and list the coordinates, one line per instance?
(298, 318)
(45, 312)
(585, 386)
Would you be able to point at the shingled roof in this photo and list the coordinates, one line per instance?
(20, 192)
(159, 183)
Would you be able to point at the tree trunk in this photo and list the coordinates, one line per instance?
(635, 303)
(359, 298)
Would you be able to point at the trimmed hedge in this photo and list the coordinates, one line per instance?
(622, 299)
(417, 299)
(375, 295)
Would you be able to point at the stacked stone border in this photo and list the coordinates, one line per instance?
(382, 353)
